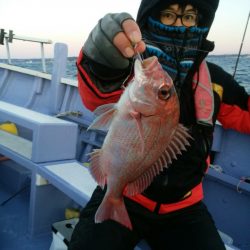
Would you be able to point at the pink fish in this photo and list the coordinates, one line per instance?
(143, 136)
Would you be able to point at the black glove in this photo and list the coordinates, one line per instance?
(99, 46)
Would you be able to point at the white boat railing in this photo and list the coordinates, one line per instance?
(6, 38)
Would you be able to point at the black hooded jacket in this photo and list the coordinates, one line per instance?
(188, 170)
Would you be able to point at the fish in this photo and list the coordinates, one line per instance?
(143, 137)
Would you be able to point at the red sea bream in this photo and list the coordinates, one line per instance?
(143, 136)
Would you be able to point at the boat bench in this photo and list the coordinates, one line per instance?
(71, 177)
(50, 138)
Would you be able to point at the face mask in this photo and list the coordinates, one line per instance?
(175, 46)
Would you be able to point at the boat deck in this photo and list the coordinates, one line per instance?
(13, 219)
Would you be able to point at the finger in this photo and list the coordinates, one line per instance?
(126, 41)
(140, 47)
(132, 31)
(123, 44)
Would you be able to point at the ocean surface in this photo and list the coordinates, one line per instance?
(227, 62)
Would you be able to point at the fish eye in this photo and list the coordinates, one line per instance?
(164, 93)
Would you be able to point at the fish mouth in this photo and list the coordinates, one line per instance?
(149, 63)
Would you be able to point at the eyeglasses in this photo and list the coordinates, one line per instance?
(187, 19)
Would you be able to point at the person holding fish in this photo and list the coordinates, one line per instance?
(152, 89)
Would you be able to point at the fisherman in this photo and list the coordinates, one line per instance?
(170, 213)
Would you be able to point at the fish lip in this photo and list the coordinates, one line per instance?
(147, 64)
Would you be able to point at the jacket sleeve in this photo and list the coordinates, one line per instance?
(98, 84)
(233, 117)
(234, 111)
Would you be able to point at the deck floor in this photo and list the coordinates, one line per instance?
(13, 221)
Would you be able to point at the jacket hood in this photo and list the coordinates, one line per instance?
(206, 8)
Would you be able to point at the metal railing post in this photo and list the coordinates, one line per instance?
(42, 57)
(8, 49)
(9, 37)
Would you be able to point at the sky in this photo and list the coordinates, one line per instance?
(71, 21)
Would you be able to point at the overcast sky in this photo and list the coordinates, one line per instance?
(71, 21)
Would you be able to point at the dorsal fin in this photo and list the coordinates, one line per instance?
(177, 144)
(182, 135)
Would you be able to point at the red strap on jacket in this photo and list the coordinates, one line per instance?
(91, 96)
(195, 196)
(233, 117)
(208, 161)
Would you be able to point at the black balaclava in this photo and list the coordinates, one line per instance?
(176, 47)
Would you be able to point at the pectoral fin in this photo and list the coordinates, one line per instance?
(137, 118)
(96, 169)
(105, 115)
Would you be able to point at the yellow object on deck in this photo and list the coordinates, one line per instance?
(9, 127)
(71, 213)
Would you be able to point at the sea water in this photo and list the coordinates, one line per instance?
(227, 62)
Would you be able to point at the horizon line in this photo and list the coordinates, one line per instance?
(29, 58)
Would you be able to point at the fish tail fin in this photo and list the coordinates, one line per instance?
(113, 209)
